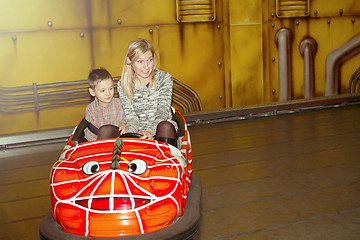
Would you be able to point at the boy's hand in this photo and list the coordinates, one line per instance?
(147, 134)
(122, 128)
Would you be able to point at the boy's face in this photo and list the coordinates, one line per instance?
(104, 92)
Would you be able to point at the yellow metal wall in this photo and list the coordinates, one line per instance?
(246, 52)
(328, 35)
(254, 56)
(49, 41)
(41, 43)
(229, 62)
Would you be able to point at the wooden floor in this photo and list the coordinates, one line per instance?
(294, 176)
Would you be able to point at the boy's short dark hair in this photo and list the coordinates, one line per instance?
(97, 75)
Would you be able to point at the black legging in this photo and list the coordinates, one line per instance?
(165, 132)
(108, 131)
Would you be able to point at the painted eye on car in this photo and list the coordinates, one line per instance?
(91, 167)
(137, 166)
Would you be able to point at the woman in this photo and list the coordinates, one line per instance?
(145, 93)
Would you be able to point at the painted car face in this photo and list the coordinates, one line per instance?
(146, 193)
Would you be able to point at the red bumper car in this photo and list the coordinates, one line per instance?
(123, 188)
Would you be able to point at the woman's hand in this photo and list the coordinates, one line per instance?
(122, 128)
(147, 134)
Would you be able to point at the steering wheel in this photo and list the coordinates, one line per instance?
(130, 135)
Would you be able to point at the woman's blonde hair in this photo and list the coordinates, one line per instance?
(136, 48)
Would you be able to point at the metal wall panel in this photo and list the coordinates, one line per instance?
(125, 13)
(193, 53)
(232, 61)
(34, 15)
(195, 11)
(46, 119)
(328, 36)
(334, 8)
(43, 57)
(328, 31)
(293, 8)
(246, 53)
(246, 65)
(55, 41)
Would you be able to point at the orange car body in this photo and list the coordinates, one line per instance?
(146, 193)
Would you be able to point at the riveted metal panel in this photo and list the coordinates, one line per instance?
(246, 53)
(50, 41)
(245, 13)
(335, 8)
(193, 53)
(294, 8)
(47, 119)
(246, 65)
(134, 13)
(43, 57)
(43, 15)
(195, 10)
(328, 35)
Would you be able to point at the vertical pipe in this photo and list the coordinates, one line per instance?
(333, 62)
(308, 49)
(283, 42)
(36, 99)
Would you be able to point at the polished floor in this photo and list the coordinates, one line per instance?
(293, 176)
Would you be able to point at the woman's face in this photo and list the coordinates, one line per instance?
(143, 66)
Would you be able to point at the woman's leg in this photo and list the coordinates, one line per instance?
(108, 131)
(166, 132)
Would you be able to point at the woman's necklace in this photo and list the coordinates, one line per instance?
(142, 82)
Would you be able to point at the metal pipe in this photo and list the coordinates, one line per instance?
(308, 48)
(17, 99)
(178, 93)
(283, 42)
(36, 99)
(192, 92)
(180, 104)
(187, 103)
(333, 62)
(354, 81)
(44, 86)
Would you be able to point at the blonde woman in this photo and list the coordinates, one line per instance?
(145, 93)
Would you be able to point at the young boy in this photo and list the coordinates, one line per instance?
(104, 110)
